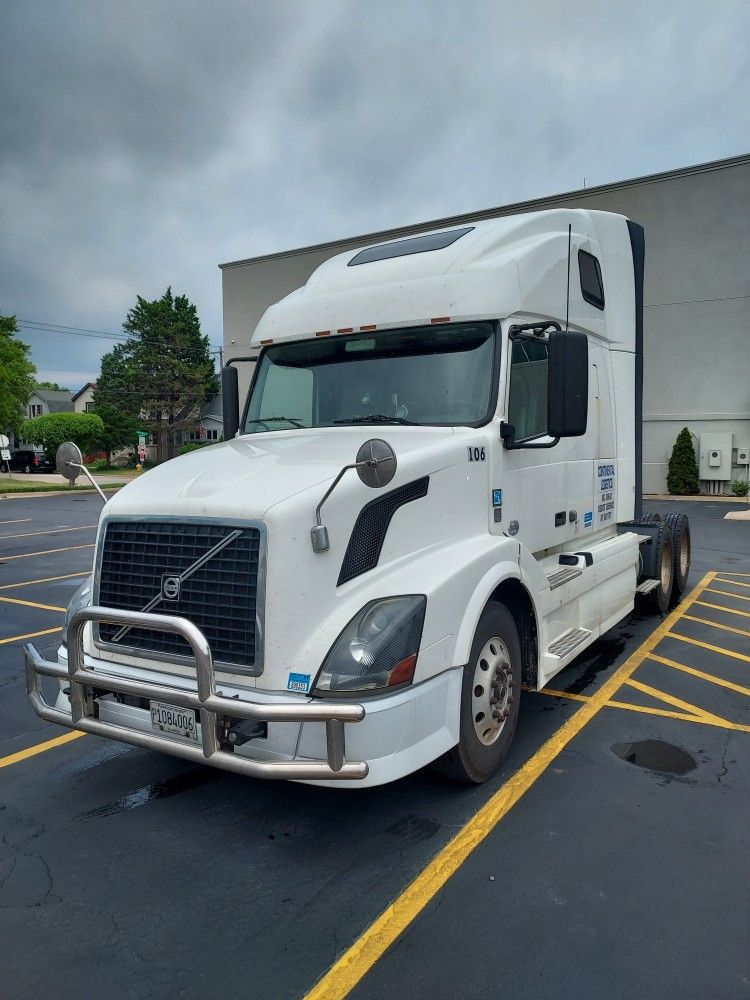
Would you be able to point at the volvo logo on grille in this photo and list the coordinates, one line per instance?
(170, 587)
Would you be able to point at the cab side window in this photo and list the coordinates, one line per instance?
(527, 405)
(592, 288)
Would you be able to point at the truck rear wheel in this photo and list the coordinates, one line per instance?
(656, 601)
(489, 700)
(680, 528)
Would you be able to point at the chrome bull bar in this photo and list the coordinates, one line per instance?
(205, 701)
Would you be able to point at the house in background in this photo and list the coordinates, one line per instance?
(44, 401)
(83, 400)
(211, 420)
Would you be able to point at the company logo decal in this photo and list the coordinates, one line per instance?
(170, 587)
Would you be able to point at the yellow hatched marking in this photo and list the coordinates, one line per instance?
(52, 531)
(734, 583)
(31, 604)
(726, 628)
(356, 961)
(708, 645)
(683, 716)
(727, 572)
(47, 552)
(44, 579)
(694, 672)
(38, 748)
(30, 635)
(722, 607)
(562, 694)
(670, 699)
(728, 593)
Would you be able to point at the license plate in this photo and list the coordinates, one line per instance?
(171, 719)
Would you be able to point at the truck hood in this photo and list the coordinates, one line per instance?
(244, 477)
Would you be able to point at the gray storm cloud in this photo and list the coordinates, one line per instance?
(144, 143)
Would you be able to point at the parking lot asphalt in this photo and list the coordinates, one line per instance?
(584, 869)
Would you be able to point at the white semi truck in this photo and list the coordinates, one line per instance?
(430, 500)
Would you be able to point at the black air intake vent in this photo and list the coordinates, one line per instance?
(368, 535)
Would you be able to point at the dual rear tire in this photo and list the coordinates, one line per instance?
(672, 563)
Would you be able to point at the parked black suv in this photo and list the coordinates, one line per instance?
(27, 460)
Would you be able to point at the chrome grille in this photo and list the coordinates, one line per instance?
(221, 596)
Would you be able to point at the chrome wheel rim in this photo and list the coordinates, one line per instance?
(666, 567)
(684, 556)
(492, 691)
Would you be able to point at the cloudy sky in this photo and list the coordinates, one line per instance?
(143, 143)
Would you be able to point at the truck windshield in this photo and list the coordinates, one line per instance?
(421, 375)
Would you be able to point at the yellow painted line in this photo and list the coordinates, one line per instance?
(30, 635)
(711, 678)
(734, 583)
(52, 531)
(31, 604)
(708, 645)
(561, 694)
(727, 572)
(726, 628)
(44, 579)
(349, 969)
(683, 716)
(670, 699)
(728, 593)
(18, 520)
(722, 607)
(47, 552)
(38, 748)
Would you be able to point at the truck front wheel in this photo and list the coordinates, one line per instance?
(489, 700)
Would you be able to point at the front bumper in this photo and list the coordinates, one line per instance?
(205, 701)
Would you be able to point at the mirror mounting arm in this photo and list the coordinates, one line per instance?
(508, 435)
(87, 474)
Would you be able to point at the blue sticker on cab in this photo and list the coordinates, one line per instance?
(298, 682)
(497, 498)
(588, 518)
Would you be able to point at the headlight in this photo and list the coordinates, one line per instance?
(377, 649)
(81, 599)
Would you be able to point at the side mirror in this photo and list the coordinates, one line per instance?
(568, 383)
(230, 401)
(69, 463)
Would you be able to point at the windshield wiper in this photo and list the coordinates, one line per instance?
(273, 420)
(377, 418)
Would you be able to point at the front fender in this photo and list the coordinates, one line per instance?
(494, 576)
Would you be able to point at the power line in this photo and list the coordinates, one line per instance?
(35, 326)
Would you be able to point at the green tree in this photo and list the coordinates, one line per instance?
(163, 373)
(51, 429)
(16, 376)
(52, 386)
(682, 475)
(120, 429)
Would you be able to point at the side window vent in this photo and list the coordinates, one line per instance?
(592, 288)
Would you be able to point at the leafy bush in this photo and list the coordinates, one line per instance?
(739, 488)
(682, 476)
(51, 429)
(190, 446)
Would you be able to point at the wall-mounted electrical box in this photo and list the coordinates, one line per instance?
(743, 455)
(715, 456)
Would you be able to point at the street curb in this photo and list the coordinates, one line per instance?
(699, 497)
(55, 493)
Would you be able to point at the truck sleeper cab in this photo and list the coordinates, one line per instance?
(431, 498)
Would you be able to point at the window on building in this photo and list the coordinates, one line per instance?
(89, 407)
(592, 288)
(527, 406)
(35, 410)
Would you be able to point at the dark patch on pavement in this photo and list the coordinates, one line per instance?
(656, 755)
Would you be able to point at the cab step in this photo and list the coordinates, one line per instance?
(558, 577)
(646, 586)
(568, 641)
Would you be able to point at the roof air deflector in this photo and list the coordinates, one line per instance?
(415, 244)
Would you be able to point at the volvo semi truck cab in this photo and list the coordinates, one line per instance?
(429, 500)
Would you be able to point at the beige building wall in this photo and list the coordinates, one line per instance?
(696, 297)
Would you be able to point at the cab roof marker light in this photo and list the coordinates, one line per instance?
(264, 342)
(322, 333)
(370, 326)
(440, 319)
(345, 329)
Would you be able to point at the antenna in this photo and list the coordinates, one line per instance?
(567, 290)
